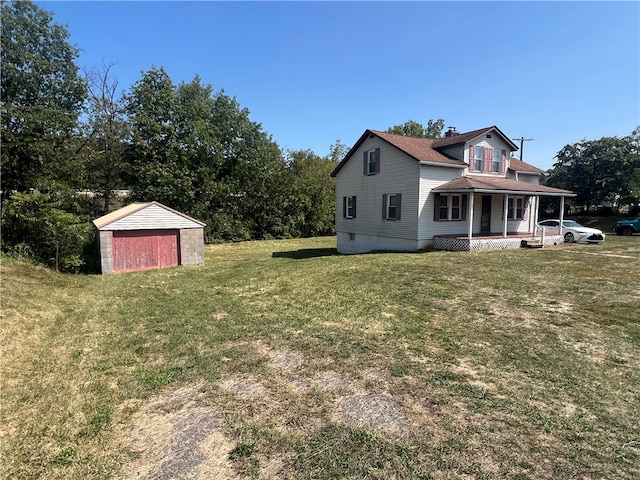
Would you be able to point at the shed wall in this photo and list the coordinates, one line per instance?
(192, 246)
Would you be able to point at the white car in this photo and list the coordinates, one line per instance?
(572, 231)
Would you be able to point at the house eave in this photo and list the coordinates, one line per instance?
(437, 164)
(503, 192)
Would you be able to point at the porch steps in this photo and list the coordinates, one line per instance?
(531, 244)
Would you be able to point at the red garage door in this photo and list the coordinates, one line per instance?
(145, 249)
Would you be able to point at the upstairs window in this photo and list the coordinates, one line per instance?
(487, 160)
(391, 206)
(478, 156)
(372, 162)
(495, 164)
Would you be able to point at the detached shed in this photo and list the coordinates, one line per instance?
(144, 236)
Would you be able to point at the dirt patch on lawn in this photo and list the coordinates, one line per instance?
(178, 436)
(380, 413)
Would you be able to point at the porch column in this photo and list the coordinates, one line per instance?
(561, 212)
(504, 215)
(534, 219)
(470, 214)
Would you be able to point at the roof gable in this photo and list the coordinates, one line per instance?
(110, 219)
(468, 136)
(420, 149)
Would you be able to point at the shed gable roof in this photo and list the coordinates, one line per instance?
(105, 221)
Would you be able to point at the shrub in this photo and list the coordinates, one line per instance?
(37, 225)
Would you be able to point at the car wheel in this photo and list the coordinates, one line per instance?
(627, 232)
(568, 237)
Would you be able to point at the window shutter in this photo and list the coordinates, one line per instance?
(525, 208)
(488, 158)
(377, 160)
(436, 206)
(365, 161)
(398, 205)
(384, 206)
(503, 161)
(354, 207)
(463, 214)
(344, 207)
(471, 158)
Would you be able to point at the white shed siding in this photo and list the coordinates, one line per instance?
(152, 217)
(430, 178)
(399, 173)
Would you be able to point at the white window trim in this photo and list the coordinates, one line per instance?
(450, 207)
(371, 158)
(512, 208)
(349, 207)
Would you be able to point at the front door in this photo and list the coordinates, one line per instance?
(485, 219)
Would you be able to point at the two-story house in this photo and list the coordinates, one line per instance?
(460, 192)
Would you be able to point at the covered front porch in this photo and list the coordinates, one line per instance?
(500, 214)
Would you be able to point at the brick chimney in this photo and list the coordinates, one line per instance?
(451, 132)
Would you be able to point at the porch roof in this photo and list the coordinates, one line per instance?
(501, 186)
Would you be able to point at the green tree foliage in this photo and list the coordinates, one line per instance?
(599, 171)
(198, 151)
(41, 227)
(337, 152)
(314, 190)
(411, 128)
(106, 134)
(42, 96)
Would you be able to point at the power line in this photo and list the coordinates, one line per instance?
(522, 140)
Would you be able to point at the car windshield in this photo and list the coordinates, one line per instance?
(571, 224)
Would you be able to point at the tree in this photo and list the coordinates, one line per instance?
(599, 171)
(107, 133)
(337, 152)
(42, 96)
(315, 192)
(42, 227)
(411, 128)
(198, 151)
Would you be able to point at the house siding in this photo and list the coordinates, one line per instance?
(399, 173)
(430, 178)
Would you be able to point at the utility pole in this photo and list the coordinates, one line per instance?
(522, 140)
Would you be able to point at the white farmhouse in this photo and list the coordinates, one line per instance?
(460, 192)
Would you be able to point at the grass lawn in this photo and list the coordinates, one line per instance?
(282, 359)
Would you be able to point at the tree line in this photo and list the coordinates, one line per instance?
(604, 174)
(71, 138)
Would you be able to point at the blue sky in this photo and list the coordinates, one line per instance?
(315, 72)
